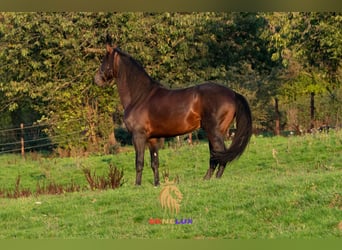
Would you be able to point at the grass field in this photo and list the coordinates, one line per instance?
(280, 188)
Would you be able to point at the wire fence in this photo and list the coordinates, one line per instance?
(32, 137)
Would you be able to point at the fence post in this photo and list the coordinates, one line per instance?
(22, 140)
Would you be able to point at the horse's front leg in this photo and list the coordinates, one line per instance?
(139, 141)
(153, 146)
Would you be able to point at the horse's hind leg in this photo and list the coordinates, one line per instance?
(212, 164)
(216, 145)
(220, 171)
(153, 146)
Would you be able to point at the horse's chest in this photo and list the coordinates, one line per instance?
(135, 119)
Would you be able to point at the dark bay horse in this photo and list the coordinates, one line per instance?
(152, 111)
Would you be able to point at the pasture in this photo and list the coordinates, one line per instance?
(280, 188)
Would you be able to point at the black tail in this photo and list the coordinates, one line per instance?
(243, 132)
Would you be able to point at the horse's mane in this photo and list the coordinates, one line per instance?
(135, 64)
(131, 60)
(138, 80)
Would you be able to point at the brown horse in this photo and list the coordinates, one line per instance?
(153, 111)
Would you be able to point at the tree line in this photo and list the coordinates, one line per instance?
(288, 65)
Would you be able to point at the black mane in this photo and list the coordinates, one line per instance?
(132, 61)
(138, 80)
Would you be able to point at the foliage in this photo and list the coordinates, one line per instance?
(123, 136)
(49, 60)
(309, 49)
(113, 180)
(47, 65)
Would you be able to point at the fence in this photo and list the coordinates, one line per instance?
(30, 138)
(24, 138)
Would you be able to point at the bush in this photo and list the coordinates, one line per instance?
(123, 136)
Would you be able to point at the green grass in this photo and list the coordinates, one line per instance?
(280, 188)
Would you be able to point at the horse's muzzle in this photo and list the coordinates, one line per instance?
(98, 79)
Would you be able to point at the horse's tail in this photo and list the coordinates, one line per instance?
(243, 117)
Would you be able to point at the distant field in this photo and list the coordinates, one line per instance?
(279, 188)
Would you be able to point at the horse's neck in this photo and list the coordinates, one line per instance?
(132, 88)
(124, 93)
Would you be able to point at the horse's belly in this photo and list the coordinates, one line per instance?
(172, 125)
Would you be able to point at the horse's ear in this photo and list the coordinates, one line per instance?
(109, 39)
(109, 48)
(109, 42)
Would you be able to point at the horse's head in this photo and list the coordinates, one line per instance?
(106, 72)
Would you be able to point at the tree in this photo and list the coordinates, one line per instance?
(308, 45)
(49, 60)
(48, 65)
